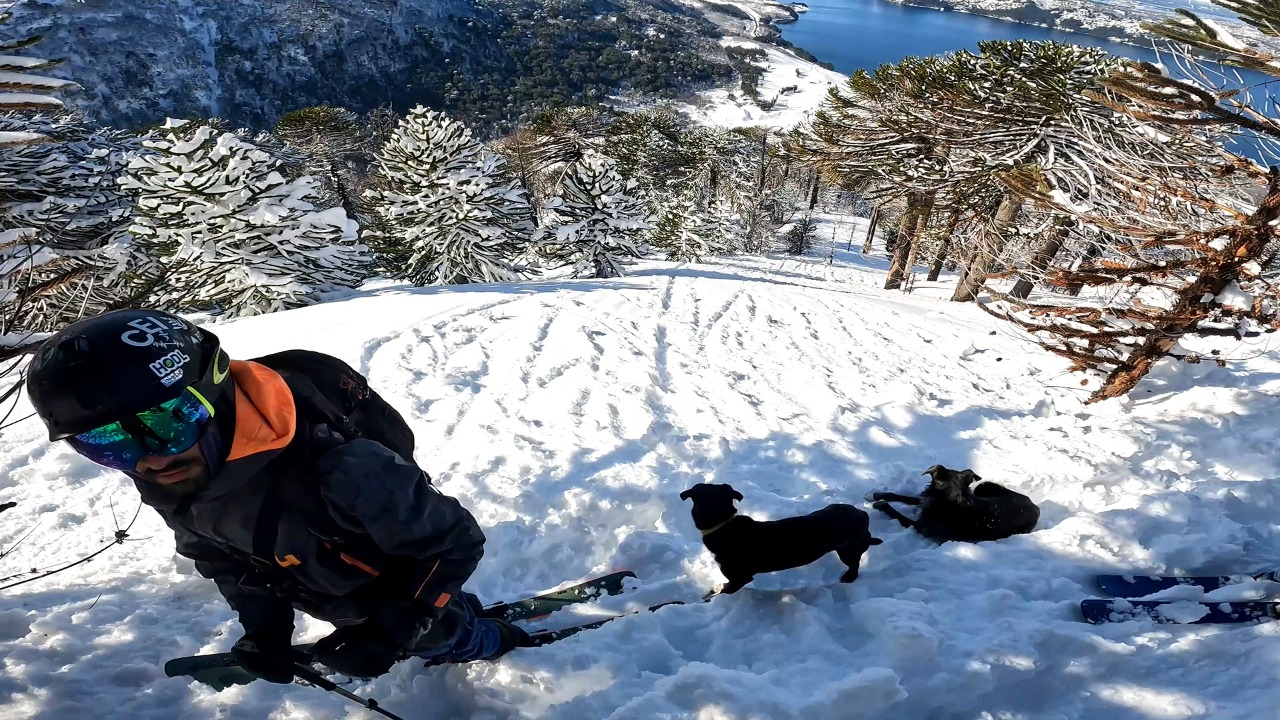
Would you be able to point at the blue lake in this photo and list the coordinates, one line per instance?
(854, 34)
(864, 34)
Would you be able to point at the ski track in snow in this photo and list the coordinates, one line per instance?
(568, 415)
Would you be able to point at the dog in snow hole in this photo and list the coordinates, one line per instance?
(744, 547)
(952, 509)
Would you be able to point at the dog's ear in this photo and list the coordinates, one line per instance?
(969, 477)
(933, 471)
(685, 495)
(733, 493)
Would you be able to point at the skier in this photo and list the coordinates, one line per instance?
(278, 496)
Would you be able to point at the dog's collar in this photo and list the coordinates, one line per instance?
(710, 530)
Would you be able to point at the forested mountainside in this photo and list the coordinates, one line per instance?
(250, 61)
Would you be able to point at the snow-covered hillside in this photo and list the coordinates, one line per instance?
(569, 415)
(792, 88)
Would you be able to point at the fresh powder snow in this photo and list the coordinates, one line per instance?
(569, 414)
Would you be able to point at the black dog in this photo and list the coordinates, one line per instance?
(744, 547)
(949, 510)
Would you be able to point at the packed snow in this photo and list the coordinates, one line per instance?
(569, 415)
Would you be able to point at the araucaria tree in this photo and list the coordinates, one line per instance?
(66, 223)
(447, 211)
(46, 239)
(1158, 281)
(598, 224)
(228, 232)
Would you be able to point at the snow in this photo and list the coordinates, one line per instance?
(568, 415)
(1233, 296)
(12, 79)
(19, 138)
(19, 61)
(731, 108)
(23, 100)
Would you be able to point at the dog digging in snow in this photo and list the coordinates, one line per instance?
(951, 509)
(745, 547)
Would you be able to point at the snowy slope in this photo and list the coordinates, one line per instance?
(569, 415)
(805, 83)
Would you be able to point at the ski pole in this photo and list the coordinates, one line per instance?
(324, 683)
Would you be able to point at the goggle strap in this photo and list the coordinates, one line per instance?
(139, 430)
(201, 398)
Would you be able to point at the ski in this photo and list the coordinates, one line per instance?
(532, 608)
(220, 670)
(1133, 586)
(1178, 612)
(546, 637)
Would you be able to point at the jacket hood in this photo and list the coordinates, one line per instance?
(265, 424)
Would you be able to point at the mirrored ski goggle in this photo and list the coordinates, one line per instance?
(172, 427)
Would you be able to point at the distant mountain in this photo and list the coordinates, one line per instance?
(249, 61)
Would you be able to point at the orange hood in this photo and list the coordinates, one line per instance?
(265, 414)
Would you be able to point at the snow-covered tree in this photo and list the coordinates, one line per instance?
(227, 231)
(679, 231)
(1176, 249)
(687, 232)
(50, 224)
(800, 235)
(447, 212)
(338, 145)
(22, 90)
(65, 214)
(598, 224)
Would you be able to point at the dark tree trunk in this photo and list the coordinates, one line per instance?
(943, 247)
(764, 149)
(992, 243)
(917, 239)
(871, 230)
(1043, 257)
(813, 193)
(917, 203)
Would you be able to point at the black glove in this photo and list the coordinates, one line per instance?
(267, 655)
(363, 651)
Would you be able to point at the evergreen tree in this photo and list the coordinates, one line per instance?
(721, 227)
(448, 212)
(688, 233)
(60, 198)
(337, 145)
(229, 232)
(598, 224)
(800, 235)
(42, 193)
(21, 90)
(679, 232)
(1180, 248)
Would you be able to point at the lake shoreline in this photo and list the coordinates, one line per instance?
(942, 6)
(772, 31)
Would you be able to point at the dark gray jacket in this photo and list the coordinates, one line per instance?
(391, 540)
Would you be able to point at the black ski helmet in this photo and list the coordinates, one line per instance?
(101, 369)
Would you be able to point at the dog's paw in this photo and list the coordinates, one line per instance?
(873, 496)
(849, 575)
(881, 505)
